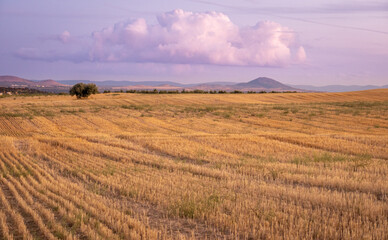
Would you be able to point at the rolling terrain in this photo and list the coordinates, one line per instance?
(43, 85)
(195, 166)
(258, 84)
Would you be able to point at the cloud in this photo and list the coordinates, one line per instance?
(300, 55)
(349, 7)
(195, 38)
(181, 37)
(64, 37)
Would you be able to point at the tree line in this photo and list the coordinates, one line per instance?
(82, 90)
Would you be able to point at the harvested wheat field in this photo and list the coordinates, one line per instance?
(195, 166)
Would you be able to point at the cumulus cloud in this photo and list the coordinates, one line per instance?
(182, 37)
(195, 38)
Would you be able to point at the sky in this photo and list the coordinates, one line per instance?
(321, 42)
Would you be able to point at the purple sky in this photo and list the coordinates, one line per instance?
(191, 41)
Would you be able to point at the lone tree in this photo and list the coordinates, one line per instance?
(82, 90)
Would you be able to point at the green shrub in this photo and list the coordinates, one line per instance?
(82, 90)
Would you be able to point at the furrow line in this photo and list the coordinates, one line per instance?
(34, 222)
(18, 225)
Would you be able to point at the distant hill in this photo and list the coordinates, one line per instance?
(145, 87)
(8, 81)
(262, 82)
(50, 83)
(44, 85)
(258, 84)
(111, 83)
(12, 81)
(265, 83)
(339, 88)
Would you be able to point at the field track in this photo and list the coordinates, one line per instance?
(195, 166)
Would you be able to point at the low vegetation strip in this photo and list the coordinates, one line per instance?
(195, 166)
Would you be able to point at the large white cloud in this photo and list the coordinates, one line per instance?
(195, 38)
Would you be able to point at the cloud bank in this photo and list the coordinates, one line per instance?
(181, 37)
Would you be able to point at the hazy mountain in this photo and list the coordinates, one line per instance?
(264, 83)
(211, 86)
(111, 83)
(338, 88)
(12, 81)
(221, 83)
(258, 84)
(51, 83)
(44, 85)
(8, 81)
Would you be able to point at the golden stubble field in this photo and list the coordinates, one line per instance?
(225, 166)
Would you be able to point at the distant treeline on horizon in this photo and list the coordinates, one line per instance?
(197, 91)
(4, 92)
